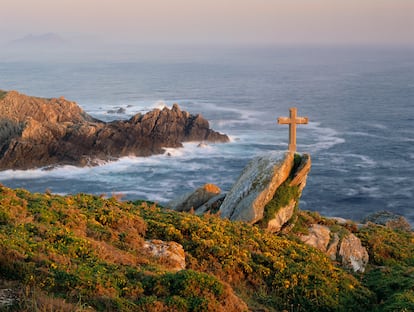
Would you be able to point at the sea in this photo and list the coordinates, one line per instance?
(359, 101)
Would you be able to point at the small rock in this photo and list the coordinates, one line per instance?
(171, 254)
(213, 205)
(195, 199)
(352, 254)
(348, 250)
(202, 145)
(318, 237)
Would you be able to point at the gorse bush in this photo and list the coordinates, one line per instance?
(391, 274)
(89, 250)
(265, 269)
(86, 253)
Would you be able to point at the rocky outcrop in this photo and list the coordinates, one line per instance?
(286, 203)
(170, 254)
(268, 190)
(388, 219)
(256, 186)
(195, 199)
(346, 248)
(38, 132)
(319, 237)
(352, 254)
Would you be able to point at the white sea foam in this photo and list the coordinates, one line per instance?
(377, 126)
(342, 159)
(322, 138)
(365, 134)
(159, 104)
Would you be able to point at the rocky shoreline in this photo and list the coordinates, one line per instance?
(39, 132)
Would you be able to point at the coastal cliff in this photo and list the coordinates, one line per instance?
(38, 132)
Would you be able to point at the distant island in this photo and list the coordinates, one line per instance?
(40, 132)
(45, 40)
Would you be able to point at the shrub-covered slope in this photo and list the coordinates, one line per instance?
(84, 253)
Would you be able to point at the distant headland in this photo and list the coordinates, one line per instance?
(40, 132)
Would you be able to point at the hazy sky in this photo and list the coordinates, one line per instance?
(214, 21)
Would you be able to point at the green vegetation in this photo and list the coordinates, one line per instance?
(265, 270)
(84, 253)
(284, 196)
(2, 94)
(391, 274)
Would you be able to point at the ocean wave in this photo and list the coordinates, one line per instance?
(322, 138)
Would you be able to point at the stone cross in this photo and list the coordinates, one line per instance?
(292, 121)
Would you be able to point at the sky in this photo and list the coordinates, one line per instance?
(213, 21)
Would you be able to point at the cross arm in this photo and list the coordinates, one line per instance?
(284, 120)
(302, 120)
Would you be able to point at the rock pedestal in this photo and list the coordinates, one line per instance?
(256, 186)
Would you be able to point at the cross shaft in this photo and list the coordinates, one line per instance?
(292, 121)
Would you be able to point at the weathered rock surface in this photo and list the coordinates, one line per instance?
(195, 199)
(211, 206)
(286, 212)
(388, 219)
(281, 216)
(38, 132)
(256, 186)
(352, 254)
(170, 254)
(348, 250)
(301, 173)
(318, 237)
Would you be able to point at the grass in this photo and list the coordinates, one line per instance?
(3, 94)
(84, 253)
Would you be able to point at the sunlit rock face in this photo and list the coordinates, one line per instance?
(256, 186)
(196, 199)
(347, 250)
(37, 132)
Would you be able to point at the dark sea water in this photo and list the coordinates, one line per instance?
(360, 103)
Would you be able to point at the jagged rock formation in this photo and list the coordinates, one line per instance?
(38, 132)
